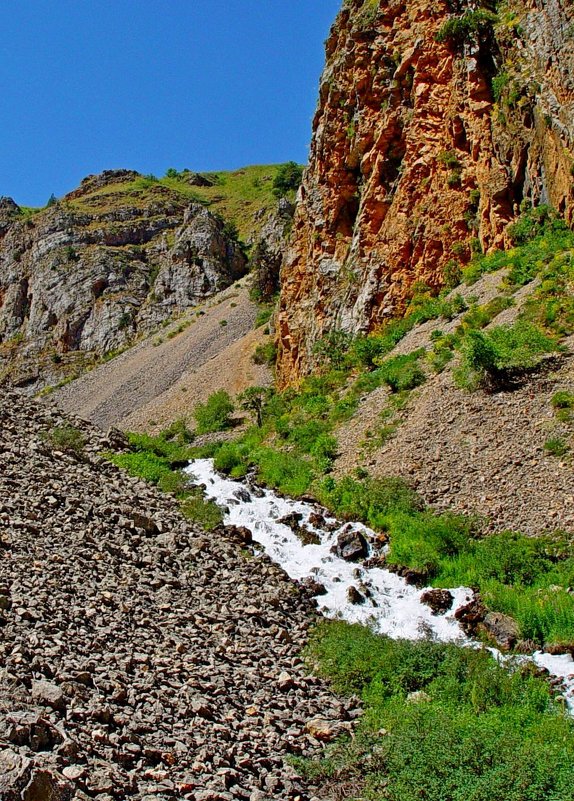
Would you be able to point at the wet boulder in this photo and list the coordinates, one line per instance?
(351, 546)
(470, 616)
(502, 628)
(354, 596)
(292, 521)
(312, 586)
(440, 601)
(239, 534)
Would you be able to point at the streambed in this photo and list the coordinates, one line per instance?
(306, 541)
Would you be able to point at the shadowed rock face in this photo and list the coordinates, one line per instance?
(112, 259)
(413, 163)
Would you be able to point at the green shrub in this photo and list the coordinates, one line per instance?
(201, 511)
(494, 356)
(144, 465)
(284, 471)
(65, 438)
(499, 84)
(563, 400)
(264, 314)
(535, 222)
(179, 432)
(288, 178)
(265, 353)
(556, 446)
(421, 541)
(173, 451)
(231, 458)
(214, 414)
(402, 372)
(459, 30)
(369, 500)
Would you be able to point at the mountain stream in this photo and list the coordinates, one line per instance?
(305, 540)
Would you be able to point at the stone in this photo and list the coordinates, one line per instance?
(285, 681)
(440, 601)
(502, 628)
(47, 694)
(312, 586)
(354, 596)
(74, 772)
(321, 729)
(14, 774)
(419, 697)
(45, 785)
(351, 546)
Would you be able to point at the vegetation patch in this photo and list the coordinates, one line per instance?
(65, 438)
(440, 722)
(215, 413)
(159, 460)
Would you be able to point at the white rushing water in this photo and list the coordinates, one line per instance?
(386, 602)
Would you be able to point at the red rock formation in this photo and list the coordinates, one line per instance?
(413, 164)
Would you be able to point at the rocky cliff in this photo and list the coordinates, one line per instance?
(435, 122)
(118, 257)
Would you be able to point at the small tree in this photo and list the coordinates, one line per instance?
(52, 200)
(253, 400)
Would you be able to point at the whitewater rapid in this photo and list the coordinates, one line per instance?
(386, 603)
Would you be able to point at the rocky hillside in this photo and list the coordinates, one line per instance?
(140, 657)
(119, 256)
(436, 122)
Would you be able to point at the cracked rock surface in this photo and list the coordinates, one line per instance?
(139, 657)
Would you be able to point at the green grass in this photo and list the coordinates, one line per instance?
(237, 196)
(214, 414)
(480, 732)
(526, 578)
(158, 459)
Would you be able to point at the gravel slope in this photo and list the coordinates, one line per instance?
(119, 392)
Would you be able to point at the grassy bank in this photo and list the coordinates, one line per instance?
(441, 723)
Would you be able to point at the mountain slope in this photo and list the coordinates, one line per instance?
(163, 377)
(119, 256)
(136, 650)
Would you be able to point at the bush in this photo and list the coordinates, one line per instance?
(459, 30)
(199, 510)
(494, 357)
(563, 400)
(144, 465)
(287, 179)
(65, 438)
(368, 500)
(486, 731)
(402, 372)
(265, 353)
(214, 414)
(556, 446)
(172, 450)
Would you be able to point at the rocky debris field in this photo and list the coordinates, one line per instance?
(139, 657)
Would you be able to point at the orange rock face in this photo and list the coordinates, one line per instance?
(414, 165)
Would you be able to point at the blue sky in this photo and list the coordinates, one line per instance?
(87, 85)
